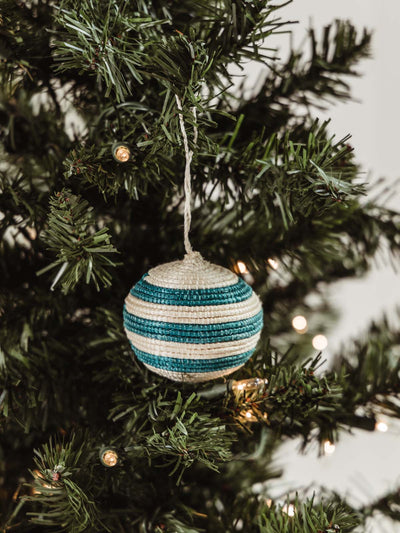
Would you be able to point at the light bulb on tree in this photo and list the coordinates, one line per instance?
(290, 509)
(108, 457)
(299, 323)
(329, 447)
(320, 342)
(273, 263)
(381, 426)
(121, 152)
(241, 267)
(268, 502)
(249, 385)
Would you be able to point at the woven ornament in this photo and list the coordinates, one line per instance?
(191, 320)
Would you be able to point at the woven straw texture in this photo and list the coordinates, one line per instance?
(192, 321)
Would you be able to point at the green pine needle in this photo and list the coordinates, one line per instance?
(81, 250)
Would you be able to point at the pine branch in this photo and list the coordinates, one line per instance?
(63, 486)
(290, 175)
(103, 38)
(308, 517)
(81, 250)
(297, 401)
(387, 505)
(370, 371)
(154, 138)
(338, 241)
(24, 45)
(116, 44)
(35, 388)
(259, 514)
(235, 30)
(175, 434)
(308, 82)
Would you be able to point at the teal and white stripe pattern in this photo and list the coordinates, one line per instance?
(192, 321)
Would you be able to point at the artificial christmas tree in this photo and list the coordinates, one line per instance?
(94, 170)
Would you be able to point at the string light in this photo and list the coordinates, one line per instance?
(290, 509)
(381, 426)
(320, 342)
(121, 152)
(299, 324)
(273, 263)
(108, 457)
(242, 268)
(249, 385)
(329, 447)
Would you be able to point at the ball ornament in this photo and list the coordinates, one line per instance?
(192, 321)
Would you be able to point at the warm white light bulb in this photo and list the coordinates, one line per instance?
(248, 414)
(290, 509)
(320, 342)
(122, 154)
(329, 447)
(299, 324)
(381, 426)
(242, 267)
(273, 263)
(109, 457)
(250, 385)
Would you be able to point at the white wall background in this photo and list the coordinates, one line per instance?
(364, 465)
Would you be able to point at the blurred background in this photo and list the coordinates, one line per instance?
(362, 466)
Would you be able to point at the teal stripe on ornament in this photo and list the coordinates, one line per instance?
(217, 296)
(192, 365)
(194, 333)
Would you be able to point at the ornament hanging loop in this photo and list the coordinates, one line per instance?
(188, 177)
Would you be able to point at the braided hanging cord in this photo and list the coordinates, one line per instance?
(188, 177)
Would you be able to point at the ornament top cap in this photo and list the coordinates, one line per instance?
(191, 272)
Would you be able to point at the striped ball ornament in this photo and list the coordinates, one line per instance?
(192, 321)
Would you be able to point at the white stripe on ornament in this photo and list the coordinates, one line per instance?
(192, 377)
(184, 314)
(181, 350)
